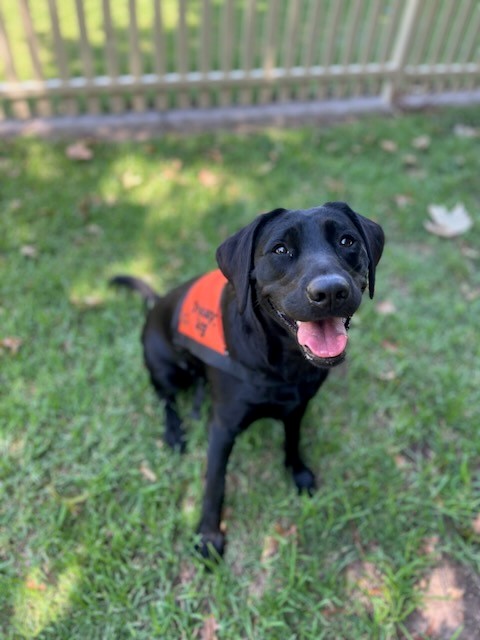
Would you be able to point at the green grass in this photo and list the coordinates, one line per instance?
(92, 545)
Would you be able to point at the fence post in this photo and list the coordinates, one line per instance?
(400, 50)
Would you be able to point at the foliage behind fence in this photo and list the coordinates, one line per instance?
(93, 56)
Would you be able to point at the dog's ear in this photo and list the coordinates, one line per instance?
(372, 235)
(235, 256)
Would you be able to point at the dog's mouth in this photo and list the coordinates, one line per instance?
(322, 341)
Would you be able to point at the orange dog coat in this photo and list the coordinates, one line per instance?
(199, 324)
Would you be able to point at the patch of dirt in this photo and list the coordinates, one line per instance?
(450, 596)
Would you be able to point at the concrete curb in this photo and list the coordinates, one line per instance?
(142, 126)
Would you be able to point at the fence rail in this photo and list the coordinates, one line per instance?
(99, 56)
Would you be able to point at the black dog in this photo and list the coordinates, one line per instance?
(288, 285)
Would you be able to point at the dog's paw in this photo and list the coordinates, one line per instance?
(304, 480)
(176, 440)
(211, 545)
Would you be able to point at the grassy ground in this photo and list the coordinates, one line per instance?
(96, 516)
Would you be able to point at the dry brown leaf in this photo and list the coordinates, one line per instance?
(470, 253)
(207, 178)
(147, 473)
(270, 547)
(209, 629)
(392, 347)
(29, 251)
(11, 344)
(387, 376)
(88, 302)
(386, 308)
(271, 544)
(334, 185)
(401, 462)
(476, 525)
(410, 160)
(131, 180)
(402, 200)
(265, 168)
(33, 585)
(430, 546)
(79, 151)
(14, 204)
(448, 223)
(286, 532)
(421, 142)
(366, 582)
(94, 230)
(469, 293)
(465, 131)
(173, 169)
(389, 146)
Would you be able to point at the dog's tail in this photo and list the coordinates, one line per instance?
(148, 294)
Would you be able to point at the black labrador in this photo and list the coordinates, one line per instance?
(293, 280)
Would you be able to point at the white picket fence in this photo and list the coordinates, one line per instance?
(71, 57)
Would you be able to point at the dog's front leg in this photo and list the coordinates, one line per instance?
(220, 445)
(303, 476)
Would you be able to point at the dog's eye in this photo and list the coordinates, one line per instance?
(281, 250)
(347, 241)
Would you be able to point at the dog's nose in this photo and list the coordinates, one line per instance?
(328, 291)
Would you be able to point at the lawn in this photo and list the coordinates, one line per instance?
(97, 516)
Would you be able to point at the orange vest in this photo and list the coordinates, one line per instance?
(200, 315)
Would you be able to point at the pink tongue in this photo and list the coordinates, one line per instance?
(325, 339)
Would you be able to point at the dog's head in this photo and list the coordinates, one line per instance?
(307, 269)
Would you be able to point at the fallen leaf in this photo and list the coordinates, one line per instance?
(207, 178)
(188, 571)
(215, 155)
(401, 462)
(334, 185)
(421, 142)
(147, 473)
(390, 346)
(430, 546)
(469, 293)
(286, 532)
(79, 151)
(29, 251)
(33, 585)
(386, 308)
(130, 180)
(389, 146)
(465, 131)
(470, 253)
(88, 302)
(14, 204)
(402, 200)
(271, 544)
(365, 581)
(265, 168)
(209, 629)
(417, 174)
(476, 525)
(172, 169)
(448, 224)
(387, 376)
(94, 230)
(270, 547)
(11, 344)
(410, 160)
